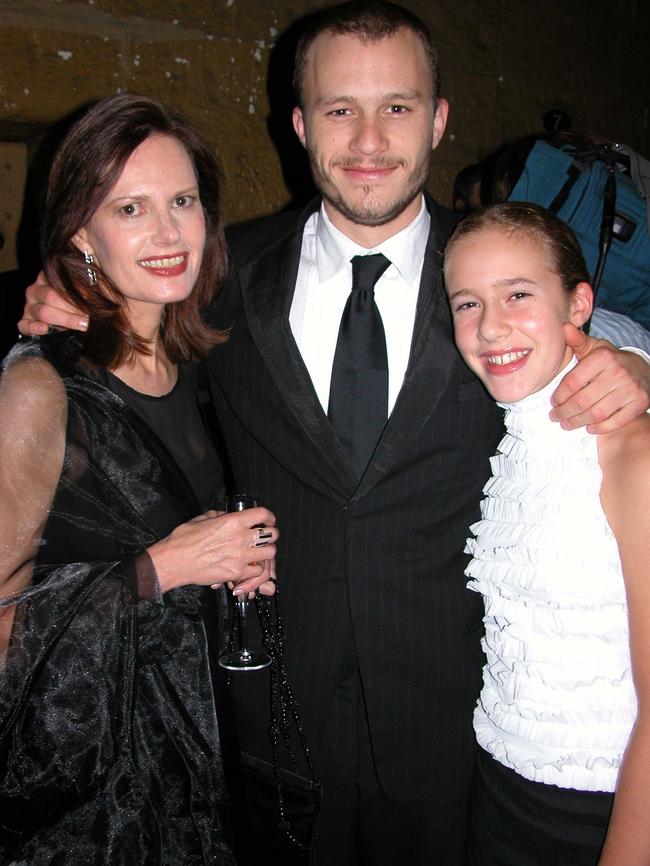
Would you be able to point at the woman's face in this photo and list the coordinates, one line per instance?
(148, 233)
(508, 307)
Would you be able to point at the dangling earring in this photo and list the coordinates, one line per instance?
(90, 261)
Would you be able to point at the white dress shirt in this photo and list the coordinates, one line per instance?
(324, 283)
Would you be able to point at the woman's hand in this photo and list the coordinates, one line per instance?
(215, 548)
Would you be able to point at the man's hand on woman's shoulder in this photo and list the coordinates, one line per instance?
(605, 390)
(45, 306)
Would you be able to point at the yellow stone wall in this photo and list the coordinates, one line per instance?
(504, 63)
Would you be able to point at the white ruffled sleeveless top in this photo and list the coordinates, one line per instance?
(558, 703)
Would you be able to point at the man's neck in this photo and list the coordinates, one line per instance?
(372, 236)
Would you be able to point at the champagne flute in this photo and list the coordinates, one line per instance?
(243, 658)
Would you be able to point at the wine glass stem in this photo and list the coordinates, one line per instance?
(242, 611)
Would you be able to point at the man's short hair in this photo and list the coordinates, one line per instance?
(368, 21)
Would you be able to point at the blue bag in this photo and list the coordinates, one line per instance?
(579, 188)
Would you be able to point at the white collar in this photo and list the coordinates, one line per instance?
(405, 249)
(542, 398)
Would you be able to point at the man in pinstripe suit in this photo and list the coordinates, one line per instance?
(382, 639)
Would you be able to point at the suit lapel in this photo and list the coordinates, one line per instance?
(267, 286)
(432, 359)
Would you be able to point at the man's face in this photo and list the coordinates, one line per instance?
(369, 127)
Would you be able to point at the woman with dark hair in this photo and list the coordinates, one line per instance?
(109, 744)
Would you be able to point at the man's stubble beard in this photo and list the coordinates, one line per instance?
(371, 213)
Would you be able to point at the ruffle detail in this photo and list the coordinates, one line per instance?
(558, 687)
(584, 767)
(558, 701)
(546, 578)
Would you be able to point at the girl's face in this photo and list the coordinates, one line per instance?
(148, 233)
(508, 309)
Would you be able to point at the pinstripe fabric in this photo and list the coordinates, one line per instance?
(619, 329)
(381, 562)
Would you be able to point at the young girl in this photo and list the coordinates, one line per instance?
(561, 558)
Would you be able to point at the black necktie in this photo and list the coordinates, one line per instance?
(358, 404)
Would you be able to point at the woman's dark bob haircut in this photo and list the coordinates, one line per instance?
(87, 164)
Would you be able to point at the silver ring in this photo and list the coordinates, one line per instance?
(263, 536)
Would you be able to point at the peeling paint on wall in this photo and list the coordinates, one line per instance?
(494, 89)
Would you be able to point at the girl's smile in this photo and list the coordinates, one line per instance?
(508, 307)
